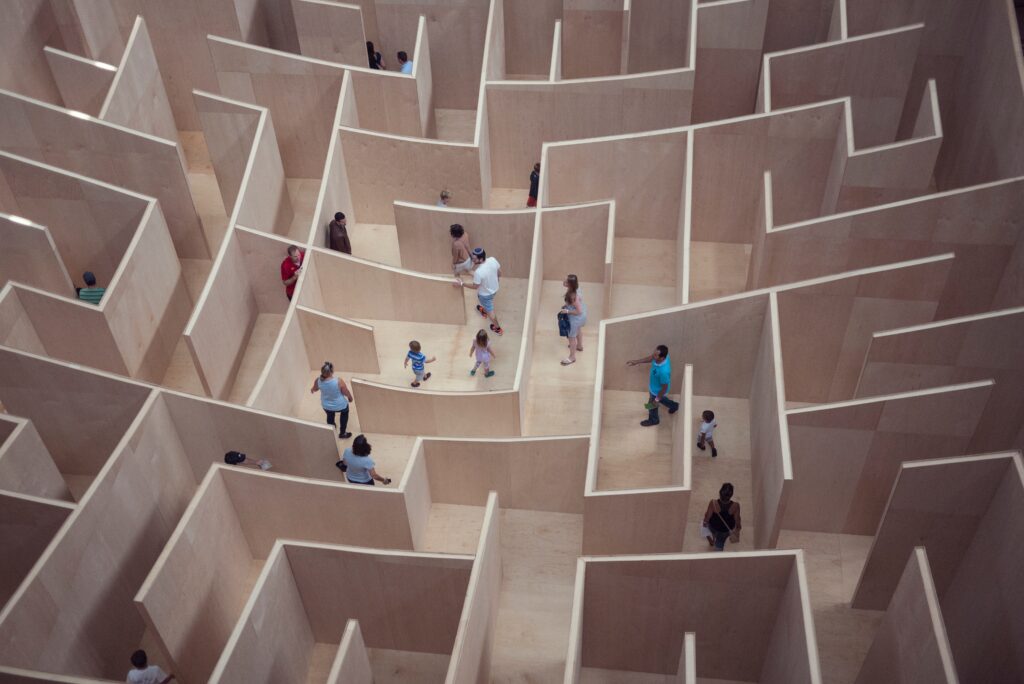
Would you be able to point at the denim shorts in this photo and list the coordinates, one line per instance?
(486, 301)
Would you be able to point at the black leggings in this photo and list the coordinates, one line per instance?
(343, 418)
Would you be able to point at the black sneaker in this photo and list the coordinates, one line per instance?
(345, 435)
(649, 422)
(714, 452)
(701, 446)
(673, 410)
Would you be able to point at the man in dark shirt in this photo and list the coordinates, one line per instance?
(534, 185)
(338, 234)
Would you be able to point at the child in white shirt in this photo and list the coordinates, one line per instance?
(143, 673)
(707, 432)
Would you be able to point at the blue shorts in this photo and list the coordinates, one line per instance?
(486, 301)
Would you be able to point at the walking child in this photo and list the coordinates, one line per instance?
(482, 350)
(707, 432)
(418, 358)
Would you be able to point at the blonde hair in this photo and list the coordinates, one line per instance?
(481, 338)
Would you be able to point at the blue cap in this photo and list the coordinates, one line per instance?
(478, 251)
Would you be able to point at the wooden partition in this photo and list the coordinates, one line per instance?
(957, 350)
(95, 411)
(230, 129)
(525, 37)
(232, 524)
(89, 222)
(660, 35)
(524, 115)
(128, 514)
(17, 675)
(647, 205)
(873, 175)
(26, 466)
(293, 88)
(29, 523)
(913, 228)
(826, 324)
(409, 169)
(771, 465)
(636, 610)
(348, 344)
(471, 652)
(874, 70)
(846, 455)
(278, 389)
(137, 98)
(404, 411)
(375, 291)
(425, 243)
(30, 256)
(264, 202)
(578, 240)
(797, 145)
(530, 473)
(83, 83)
(352, 664)
(207, 429)
(330, 31)
(300, 588)
(107, 152)
(730, 40)
(245, 282)
(959, 510)
(593, 37)
(911, 643)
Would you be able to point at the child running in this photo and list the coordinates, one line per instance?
(418, 358)
(482, 349)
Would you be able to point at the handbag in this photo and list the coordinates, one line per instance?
(563, 324)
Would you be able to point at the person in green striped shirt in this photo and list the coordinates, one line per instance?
(90, 293)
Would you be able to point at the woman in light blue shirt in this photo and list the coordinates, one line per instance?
(357, 465)
(334, 398)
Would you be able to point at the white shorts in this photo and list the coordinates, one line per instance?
(464, 267)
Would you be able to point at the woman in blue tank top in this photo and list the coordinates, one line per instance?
(334, 398)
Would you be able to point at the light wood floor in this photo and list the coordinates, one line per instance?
(455, 125)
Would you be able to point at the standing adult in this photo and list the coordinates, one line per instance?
(334, 398)
(577, 310)
(461, 260)
(722, 518)
(357, 465)
(531, 201)
(405, 62)
(338, 232)
(446, 197)
(291, 267)
(661, 378)
(90, 293)
(374, 57)
(486, 278)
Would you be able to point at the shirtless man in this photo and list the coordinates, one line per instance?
(461, 261)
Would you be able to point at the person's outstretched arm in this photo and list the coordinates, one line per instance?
(646, 359)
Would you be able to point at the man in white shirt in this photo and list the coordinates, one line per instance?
(403, 59)
(143, 673)
(485, 281)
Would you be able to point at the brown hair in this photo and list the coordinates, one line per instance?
(574, 286)
(414, 346)
(481, 338)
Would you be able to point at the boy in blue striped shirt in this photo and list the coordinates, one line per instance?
(418, 358)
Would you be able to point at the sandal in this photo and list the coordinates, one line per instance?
(473, 372)
(426, 377)
(567, 362)
(497, 330)
(415, 384)
(488, 374)
(482, 310)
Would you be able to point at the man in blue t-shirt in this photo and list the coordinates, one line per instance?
(657, 386)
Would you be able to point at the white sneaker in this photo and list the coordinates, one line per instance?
(264, 464)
